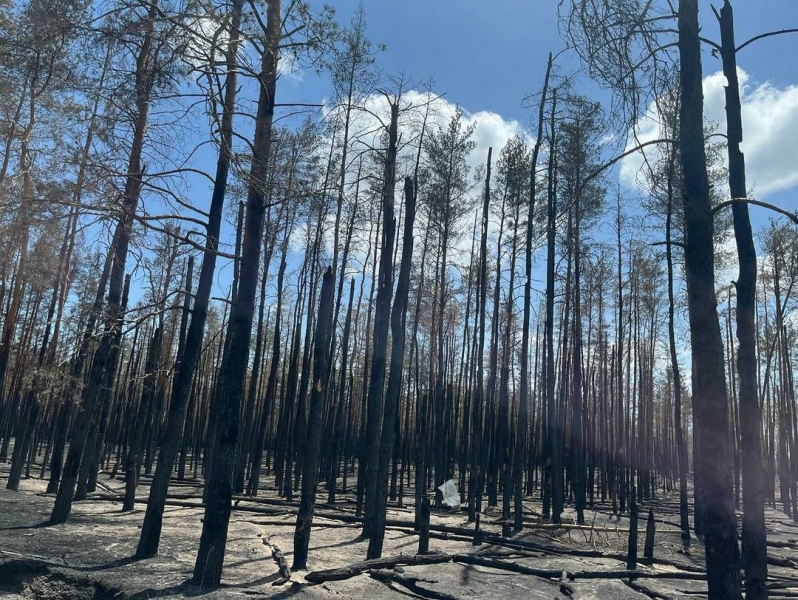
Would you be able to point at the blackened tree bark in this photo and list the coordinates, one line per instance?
(523, 401)
(76, 371)
(254, 380)
(491, 467)
(46, 354)
(474, 482)
(398, 320)
(138, 430)
(710, 403)
(553, 493)
(181, 388)
(339, 437)
(754, 557)
(104, 362)
(382, 316)
(310, 465)
(619, 470)
(230, 387)
(577, 416)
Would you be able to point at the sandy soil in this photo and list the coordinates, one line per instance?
(89, 556)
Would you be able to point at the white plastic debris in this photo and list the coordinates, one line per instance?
(451, 497)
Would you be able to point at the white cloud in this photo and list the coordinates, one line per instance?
(770, 129)
(490, 130)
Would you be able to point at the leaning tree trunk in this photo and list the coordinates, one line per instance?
(75, 376)
(104, 362)
(230, 387)
(710, 402)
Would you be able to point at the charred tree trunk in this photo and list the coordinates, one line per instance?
(754, 557)
(710, 402)
(398, 320)
(339, 439)
(104, 362)
(523, 406)
(382, 316)
(181, 387)
(271, 386)
(474, 483)
(554, 485)
(230, 387)
(312, 448)
(681, 444)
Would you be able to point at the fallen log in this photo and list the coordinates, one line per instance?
(777, 561)
(466, 533)
(644, 590)
(389, 562)
(557, 573)
(277, 555)
(532, 525)
(775, 544)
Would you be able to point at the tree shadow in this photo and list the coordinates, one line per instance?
(351, 542)
(118, 562)
(187, 589)
(296, 588)
(41, 525)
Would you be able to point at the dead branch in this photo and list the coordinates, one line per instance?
(556, 573)
(411, 583)
(644, 590)
(277, 555)
(388, 562)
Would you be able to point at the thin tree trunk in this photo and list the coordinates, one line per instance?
(523, 402)
(186, 372)
(104, 363)
(681, 445)
(312, 448)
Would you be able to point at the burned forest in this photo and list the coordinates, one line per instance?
(334, 300)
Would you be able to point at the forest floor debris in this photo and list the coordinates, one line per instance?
(90, 555)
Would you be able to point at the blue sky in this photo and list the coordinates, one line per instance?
(487, 56)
